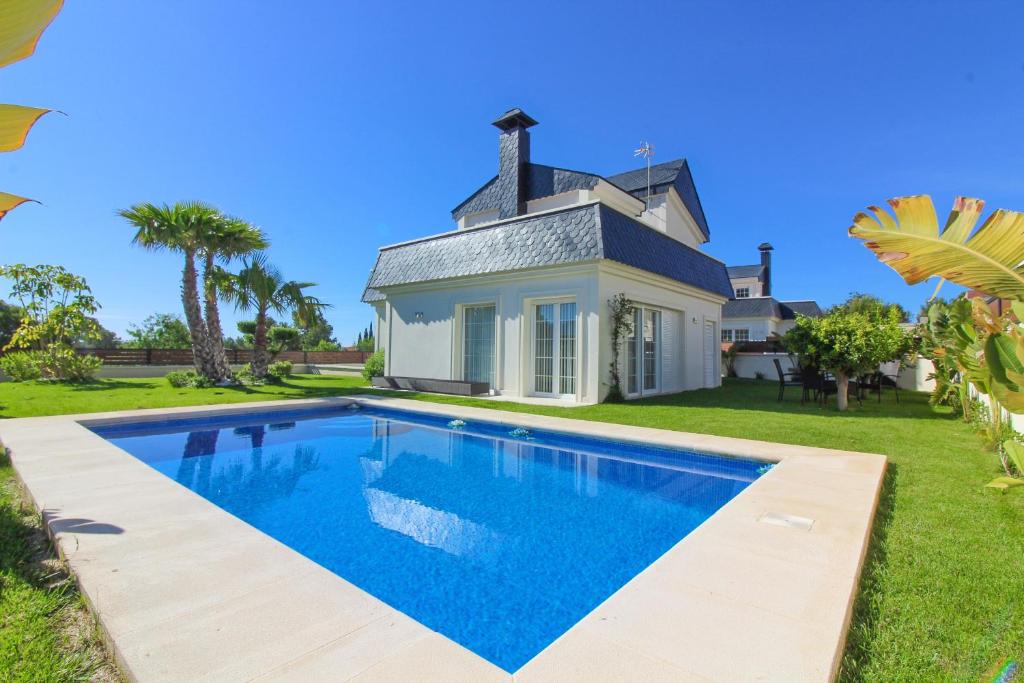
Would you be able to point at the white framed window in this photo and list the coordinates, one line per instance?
(478, 343)
(553, 348)
(743, 292)
(727, 335)
(644, 352)
(741, 335)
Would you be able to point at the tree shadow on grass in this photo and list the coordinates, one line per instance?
(864, 625)
(762, 396)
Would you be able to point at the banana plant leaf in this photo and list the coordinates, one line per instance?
(989, 260)
(22, 22)
(15, 123)
(10, 201)
(1001, 484)
(1015, 452)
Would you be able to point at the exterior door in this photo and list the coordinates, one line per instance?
(643, 353)
(478, 344)
(554, 349)
(711, 351)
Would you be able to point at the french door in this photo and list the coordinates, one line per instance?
(554, 349)
(643, 353)
(478, 344)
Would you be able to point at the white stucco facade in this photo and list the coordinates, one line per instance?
(421, 329)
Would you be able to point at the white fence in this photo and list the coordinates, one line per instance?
(911, 377)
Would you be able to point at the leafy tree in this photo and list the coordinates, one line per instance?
(315, 332)
(366, 342)
(847, 344)
(159, 331)
(871, 306)
(259, 287)
(10, 320)
(57, 308)
(104, 339)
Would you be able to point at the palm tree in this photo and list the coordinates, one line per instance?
(261, 288)
(225, 239)
(180, 228)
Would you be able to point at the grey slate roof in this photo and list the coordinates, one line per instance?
(573, 235)
(675, 173)
(541, 181)
(790, 309)
(745, 271)
(769, 307)
(545, 181)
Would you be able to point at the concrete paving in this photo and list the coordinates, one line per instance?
(763, 590)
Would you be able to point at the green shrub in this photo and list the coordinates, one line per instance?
(280, 369)
(188, 378)
(58, 362)
(245, 376)
(22, 366)
(374, 366)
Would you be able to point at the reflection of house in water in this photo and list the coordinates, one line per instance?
(430, 488)
(243, 482)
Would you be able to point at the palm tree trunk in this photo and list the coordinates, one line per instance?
(213, 328)
(259, 355)
(194, 317)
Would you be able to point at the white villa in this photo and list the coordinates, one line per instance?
(516, 296)
(754, 314)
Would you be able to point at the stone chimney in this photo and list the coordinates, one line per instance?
(766, 261)
(513, 157)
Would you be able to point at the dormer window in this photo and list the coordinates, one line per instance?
(743, 292)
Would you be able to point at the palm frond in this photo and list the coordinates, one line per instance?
(990, 260)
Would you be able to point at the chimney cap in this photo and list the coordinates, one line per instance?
(514, 118)
(764, 246)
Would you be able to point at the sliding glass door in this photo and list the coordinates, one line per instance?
(554, 349)
(478, 344)
(643, 353)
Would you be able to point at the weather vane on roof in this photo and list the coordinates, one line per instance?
(646, 151)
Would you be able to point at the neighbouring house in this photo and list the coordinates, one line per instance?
(516, 296)
(753, 314)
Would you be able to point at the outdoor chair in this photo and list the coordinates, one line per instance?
(875, 382)
(786, 379)
(829, 387)
(813, 383)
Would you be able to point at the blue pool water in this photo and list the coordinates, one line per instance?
(500, 543)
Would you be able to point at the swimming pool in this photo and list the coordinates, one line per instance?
(499, 540)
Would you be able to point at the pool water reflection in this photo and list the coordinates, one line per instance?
(499, 543)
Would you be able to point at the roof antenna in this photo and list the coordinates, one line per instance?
(646, 151)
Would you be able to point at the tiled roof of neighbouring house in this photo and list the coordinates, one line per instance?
(769, 307)
(546, 181)
(574, 235)
(745, 271)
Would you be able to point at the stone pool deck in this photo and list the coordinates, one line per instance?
(763, 590)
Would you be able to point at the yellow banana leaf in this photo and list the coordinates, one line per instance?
(10, 201)
(15, 122)
(21, 24)
(990, 260)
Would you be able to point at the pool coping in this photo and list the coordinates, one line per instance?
(754, 592)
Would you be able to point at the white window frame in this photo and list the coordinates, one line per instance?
(659, 343)
(743, 292)
(746, 334)
(459, 345)
(530, 318)
(726, 335)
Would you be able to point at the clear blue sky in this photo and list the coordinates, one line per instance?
(339, 127)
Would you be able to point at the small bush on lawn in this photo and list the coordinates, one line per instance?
(280, 369)
(374, 366)
(188, 378)
(245, 376)
(21, 366)
(57, 362)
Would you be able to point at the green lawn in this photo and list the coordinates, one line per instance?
(46, 634)
(942, 597)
